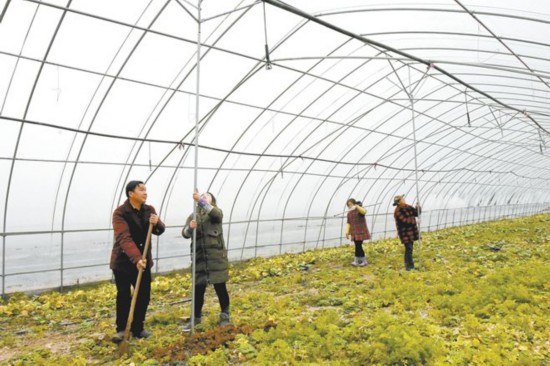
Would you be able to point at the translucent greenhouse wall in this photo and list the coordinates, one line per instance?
(65, 265)
(282, 110)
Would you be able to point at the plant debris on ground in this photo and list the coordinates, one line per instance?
(481, 297)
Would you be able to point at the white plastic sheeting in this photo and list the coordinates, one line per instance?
(96, 93)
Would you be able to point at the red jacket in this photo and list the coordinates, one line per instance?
(130, 227)
(358, 226)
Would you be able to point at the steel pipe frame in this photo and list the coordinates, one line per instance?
(81, 122)
(398, 183)
(283, 112)
(96, 16)
(304, 15)
(534, 209)
(375, 200)
(510, 69)
(471, 13)
(114, 79)
(167, 194)
(12, 165)
(239, 103)
(4, 10)
(271, 156)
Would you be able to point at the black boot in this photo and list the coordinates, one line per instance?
(224, 319)
(409, 264)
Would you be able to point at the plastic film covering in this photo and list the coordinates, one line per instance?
(302, 105)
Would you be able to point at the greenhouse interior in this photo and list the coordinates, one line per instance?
(312, 149)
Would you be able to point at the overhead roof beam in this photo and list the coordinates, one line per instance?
(4, 10)
(502, 42)
(298, 12)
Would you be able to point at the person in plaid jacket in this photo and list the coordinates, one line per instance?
(356, 228)
(407, 230)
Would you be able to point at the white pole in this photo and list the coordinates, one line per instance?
(416, 182)
(195, 185)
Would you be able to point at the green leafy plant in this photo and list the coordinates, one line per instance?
(480, 298)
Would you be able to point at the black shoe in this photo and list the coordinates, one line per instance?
(118, 337)
(224, 319)
(143, 334)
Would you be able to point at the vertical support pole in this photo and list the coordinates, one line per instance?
(62, 260)
(419, 221)
(386, 225)
(454, 217)
(195, 178)
(430, 217)
(3, 264)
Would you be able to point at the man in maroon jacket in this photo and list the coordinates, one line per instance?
(131, 223)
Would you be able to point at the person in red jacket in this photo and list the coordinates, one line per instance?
(356, 228)
(131, 223)
(407, 230)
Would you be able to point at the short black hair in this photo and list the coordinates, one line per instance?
(354, 202)
(131, 186)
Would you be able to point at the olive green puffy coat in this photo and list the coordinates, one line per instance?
(212, 265)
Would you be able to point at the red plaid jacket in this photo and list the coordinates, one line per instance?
(406, 223)
(358, 226)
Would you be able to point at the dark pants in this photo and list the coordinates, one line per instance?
(223, 298)
(409, 264)
(359, 252)
(124, 281)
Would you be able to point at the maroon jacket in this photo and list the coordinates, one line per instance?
(358, 226)
(131, 226)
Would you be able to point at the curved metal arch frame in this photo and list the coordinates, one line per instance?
(306, 225)
(44, 61)
(393, 178)
(16, 149)
(167, 194)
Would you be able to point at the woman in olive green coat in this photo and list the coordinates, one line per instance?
(211, 264)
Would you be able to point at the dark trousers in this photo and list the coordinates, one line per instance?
(124, 281)
(409, 264)
(359, 252)
(223, 298)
